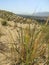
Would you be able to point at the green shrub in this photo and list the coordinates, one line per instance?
(4, 23)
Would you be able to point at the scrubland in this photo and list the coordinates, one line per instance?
(24, 42)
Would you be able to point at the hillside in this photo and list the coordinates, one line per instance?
(7, 15)
(23, 41)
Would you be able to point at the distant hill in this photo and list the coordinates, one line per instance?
(35, 16)
(42, 14)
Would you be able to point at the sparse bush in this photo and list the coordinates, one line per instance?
(4, 23)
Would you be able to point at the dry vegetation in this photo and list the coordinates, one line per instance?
(23, 42)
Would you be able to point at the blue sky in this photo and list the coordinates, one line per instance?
(25, 6)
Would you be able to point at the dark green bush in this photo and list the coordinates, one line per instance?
(4, 23)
